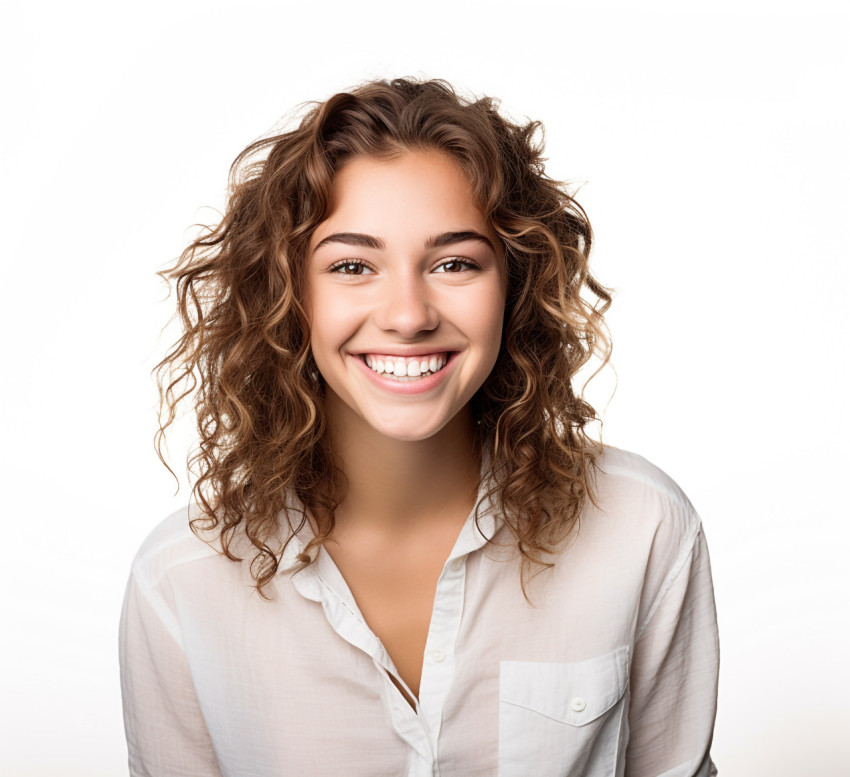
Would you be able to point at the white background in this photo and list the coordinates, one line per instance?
(710, 142)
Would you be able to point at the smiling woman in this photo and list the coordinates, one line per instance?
(406, 554)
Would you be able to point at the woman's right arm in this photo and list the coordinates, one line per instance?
(166, 733)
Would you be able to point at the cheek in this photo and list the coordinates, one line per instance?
(484, 321)
(492, 311)
(332, 322)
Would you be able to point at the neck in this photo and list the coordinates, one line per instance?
(401, 487)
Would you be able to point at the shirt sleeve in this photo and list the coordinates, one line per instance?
(674, 676)
(165, 729)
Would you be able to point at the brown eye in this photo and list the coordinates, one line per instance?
(349, 268)
(454, 266)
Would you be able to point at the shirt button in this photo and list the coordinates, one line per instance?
(578, 704)
(438, 656)
(457, 564)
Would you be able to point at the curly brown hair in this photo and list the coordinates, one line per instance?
(245, 350)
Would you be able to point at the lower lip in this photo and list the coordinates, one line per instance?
(420, 386)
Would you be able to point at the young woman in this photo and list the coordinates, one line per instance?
(407, 556)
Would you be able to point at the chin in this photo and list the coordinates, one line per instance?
(408, 427)
(412, 434)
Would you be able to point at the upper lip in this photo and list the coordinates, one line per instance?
(405, 352)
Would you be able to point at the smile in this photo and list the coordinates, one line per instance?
(388, 379)
(405, 368)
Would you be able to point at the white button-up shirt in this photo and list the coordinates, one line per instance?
(609, 670)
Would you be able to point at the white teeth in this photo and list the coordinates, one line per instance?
(402, 368)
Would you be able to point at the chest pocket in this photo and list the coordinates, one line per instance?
(562, 720)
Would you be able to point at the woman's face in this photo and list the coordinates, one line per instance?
(405, 293)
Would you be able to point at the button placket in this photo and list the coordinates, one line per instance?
(438, 667)
(409, 727)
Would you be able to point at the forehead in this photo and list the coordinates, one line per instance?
(417, 191)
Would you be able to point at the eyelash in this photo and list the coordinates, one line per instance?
(358, 263)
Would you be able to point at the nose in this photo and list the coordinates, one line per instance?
(407, 306)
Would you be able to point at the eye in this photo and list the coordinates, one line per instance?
(456, 265)
(349, 267)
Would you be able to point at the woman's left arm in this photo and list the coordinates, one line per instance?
(674, 675)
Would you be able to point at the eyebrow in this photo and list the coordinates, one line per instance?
(360, 240)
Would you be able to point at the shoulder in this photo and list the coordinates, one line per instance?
(624, 471)
(170, 545)
(645, 527)
(643, 504)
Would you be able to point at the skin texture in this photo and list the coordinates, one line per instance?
(412, 479)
